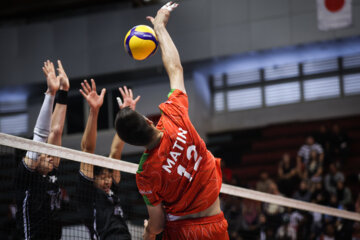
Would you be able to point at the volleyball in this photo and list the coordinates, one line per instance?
(141, 42)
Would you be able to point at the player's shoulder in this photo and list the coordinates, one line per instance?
(150, 164)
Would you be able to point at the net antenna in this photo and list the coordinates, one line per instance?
(78, 156)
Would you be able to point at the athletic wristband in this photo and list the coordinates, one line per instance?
(62, 97)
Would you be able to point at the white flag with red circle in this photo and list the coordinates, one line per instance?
(334, 14)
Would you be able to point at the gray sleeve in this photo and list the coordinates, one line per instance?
(42, 126)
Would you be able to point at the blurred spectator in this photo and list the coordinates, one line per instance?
(263, 185)
(296, 218)
(267, 232)
(287, 175)
(357, 204)
(356, 226)
(250, 223)
(285, 232)
(319, 194)
(314, 169)
(316, 225)
(303, 194)
(333, 201)
(356, 231)
(234, 218)
(273, 213)
(304, 153)
(344, 229)
(343, 194)
(339, 144)
(304, 230)
(323, 137)
(332, 178)
(329, 233)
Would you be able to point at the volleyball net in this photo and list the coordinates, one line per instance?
(31, 202)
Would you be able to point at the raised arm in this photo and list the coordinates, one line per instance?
(117, 144)
(88, 142)
(169, 53)
(58, 116)
(42, 126)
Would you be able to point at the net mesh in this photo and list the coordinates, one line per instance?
(62, 201)
(64, 204)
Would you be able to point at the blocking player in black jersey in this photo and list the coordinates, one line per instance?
(37, 189)
(98, 188)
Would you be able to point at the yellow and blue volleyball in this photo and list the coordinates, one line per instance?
(141, 42)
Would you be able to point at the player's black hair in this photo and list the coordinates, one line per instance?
(132, 127)
(98, 170)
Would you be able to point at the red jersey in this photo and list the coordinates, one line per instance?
(180, 172)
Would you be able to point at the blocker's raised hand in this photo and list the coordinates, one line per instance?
(162, 16)
(64, 80)
(128, 96)
(94, 100)
(53, 82)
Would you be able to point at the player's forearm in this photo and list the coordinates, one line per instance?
(88, 142)
(87, 170)
(43, 122)
(170, 57)
(42, 126)
(115, 152)
(57, 124)
(154, 228)
(57, 127)
(117, 146)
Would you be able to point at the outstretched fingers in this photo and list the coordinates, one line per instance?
(126, 91)
(137, 99)
(102, 94)
(85, 87)
(151, 19)
(48, 67)
(120, 103)
(122, 92)
(82, 93)
(60, 68)
(45, 70)
(170, 6)
(93, 85)
(51, 66)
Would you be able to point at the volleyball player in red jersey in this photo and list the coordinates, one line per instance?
(178, 177)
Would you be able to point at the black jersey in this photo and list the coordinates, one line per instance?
(101, 212)
(38, 203)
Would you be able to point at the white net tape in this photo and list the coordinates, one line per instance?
(66, 153)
